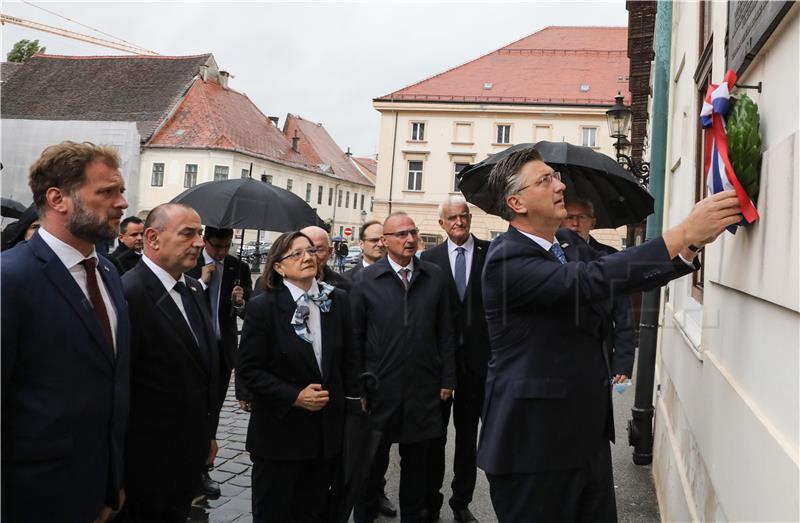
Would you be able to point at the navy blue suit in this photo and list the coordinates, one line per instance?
(547, 415)
(65, 393)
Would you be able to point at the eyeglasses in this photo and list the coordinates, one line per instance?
(579, 217)
(401, 235)
(296, 255)
(544, 181)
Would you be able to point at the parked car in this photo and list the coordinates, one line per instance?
(353, 256)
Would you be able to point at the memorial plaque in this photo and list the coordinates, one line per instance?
(750, 23)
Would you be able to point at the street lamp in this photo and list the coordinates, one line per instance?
(619, 122)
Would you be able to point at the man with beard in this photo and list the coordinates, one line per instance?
(174, 371)
(131, 241)
(65, 345)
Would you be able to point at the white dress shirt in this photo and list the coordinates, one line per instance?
(396, 267)
(545, 244)
(169, 282)
(72, 258)
(314, 317)
(452, 252)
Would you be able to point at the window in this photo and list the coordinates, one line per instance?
(289, 184)
(414, 175)
(462, 133)
(371, 202)
(355, 201)
(190, 176)
(266, 178)
(220, 172)
(702, 77)
(308, 193)
(503, 134)
(430, 240)
(341, 229)
(362, 202)
(347, 200)
(457, 169)
(417, 131)
(339, 199)
(319, 195)
(157, 178)
(330, 196)
(245, 173)
(589, 136)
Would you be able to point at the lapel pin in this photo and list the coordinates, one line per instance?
(105, 268)
(565, 245)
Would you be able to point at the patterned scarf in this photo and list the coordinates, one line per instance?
(302, 312)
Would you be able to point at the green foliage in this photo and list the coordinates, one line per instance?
(744, 144)
(24, 49)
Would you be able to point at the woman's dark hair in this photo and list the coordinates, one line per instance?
(279, 249)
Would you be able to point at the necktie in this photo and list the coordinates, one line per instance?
(98, 305)
(558, 252)
(404, 277)
(460, 275)
(214, 294)
(195, 320)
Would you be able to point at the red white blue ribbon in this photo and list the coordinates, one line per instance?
(717, 168)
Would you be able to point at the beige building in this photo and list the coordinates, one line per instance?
(727, 388)
(554, 85)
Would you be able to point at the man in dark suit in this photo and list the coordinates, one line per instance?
(372, 248)
(620, 345)
(547, 416)
(322, 242)
(131, 241)
(65, 349)
(461, 259)
(401, 323)
(227, 286)
(174, 371)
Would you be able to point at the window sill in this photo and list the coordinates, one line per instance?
(413, 191)
(688, 329)
(416, 141)
(502, 144)
(462, 143)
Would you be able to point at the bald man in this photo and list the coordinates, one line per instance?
(322, 242)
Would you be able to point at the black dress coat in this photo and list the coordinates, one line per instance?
(407, 341)
(548, 401)
(173, 387)
(124, 258)
(65, 393)
(469, 320)
(275, 364)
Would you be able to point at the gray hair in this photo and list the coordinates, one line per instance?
(584, 201)
(157, 218)
(451, 200)
(504, 180)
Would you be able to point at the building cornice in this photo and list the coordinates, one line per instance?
(440, 107)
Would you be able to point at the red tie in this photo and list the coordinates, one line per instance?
(96, 298)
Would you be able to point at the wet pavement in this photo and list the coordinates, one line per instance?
(636, 498)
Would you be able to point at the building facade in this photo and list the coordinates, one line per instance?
(727, 395)
(554, 85)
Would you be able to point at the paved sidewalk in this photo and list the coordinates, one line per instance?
(636, 499)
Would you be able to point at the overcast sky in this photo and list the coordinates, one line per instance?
(323, 61)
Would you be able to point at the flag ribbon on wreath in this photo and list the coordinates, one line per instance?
(717, 166)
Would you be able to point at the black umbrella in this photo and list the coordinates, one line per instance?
(617, 197)
(11, 208)
(245, 203)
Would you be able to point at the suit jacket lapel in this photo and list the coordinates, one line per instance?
(62, 280)
(478, 254)
(328, 327)
(306, 350)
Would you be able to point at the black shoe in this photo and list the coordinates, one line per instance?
(208, 486)
(385, 506)
(430, 516)
(463, 515)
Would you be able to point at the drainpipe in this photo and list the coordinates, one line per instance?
(640, 426)
(391, 172)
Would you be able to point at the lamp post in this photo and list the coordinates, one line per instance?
(619, 122)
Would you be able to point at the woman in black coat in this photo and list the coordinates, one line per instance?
(297, 361)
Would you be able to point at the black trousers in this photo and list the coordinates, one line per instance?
(413, 473)
(291, 491)
(563, 496)
(466, 405)
(146, 506)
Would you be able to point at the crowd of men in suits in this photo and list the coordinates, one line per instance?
(111, 404)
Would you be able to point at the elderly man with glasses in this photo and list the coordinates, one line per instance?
(401, 323)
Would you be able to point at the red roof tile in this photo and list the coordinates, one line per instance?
(211, 116)
(317, 145)
(552, 66)
(368, 166)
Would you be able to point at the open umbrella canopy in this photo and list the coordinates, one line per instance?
(245, 203)
(617, 197)
(11, 208)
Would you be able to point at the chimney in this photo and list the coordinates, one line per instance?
(296, 142)
(274, 120)
(224, 76)
(204, 72)
(348, 153)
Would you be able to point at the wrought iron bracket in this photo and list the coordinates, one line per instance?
(639, 169)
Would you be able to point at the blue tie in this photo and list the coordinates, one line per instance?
(558, 252)
(460, 275)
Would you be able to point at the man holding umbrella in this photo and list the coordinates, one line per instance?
(547, 416)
